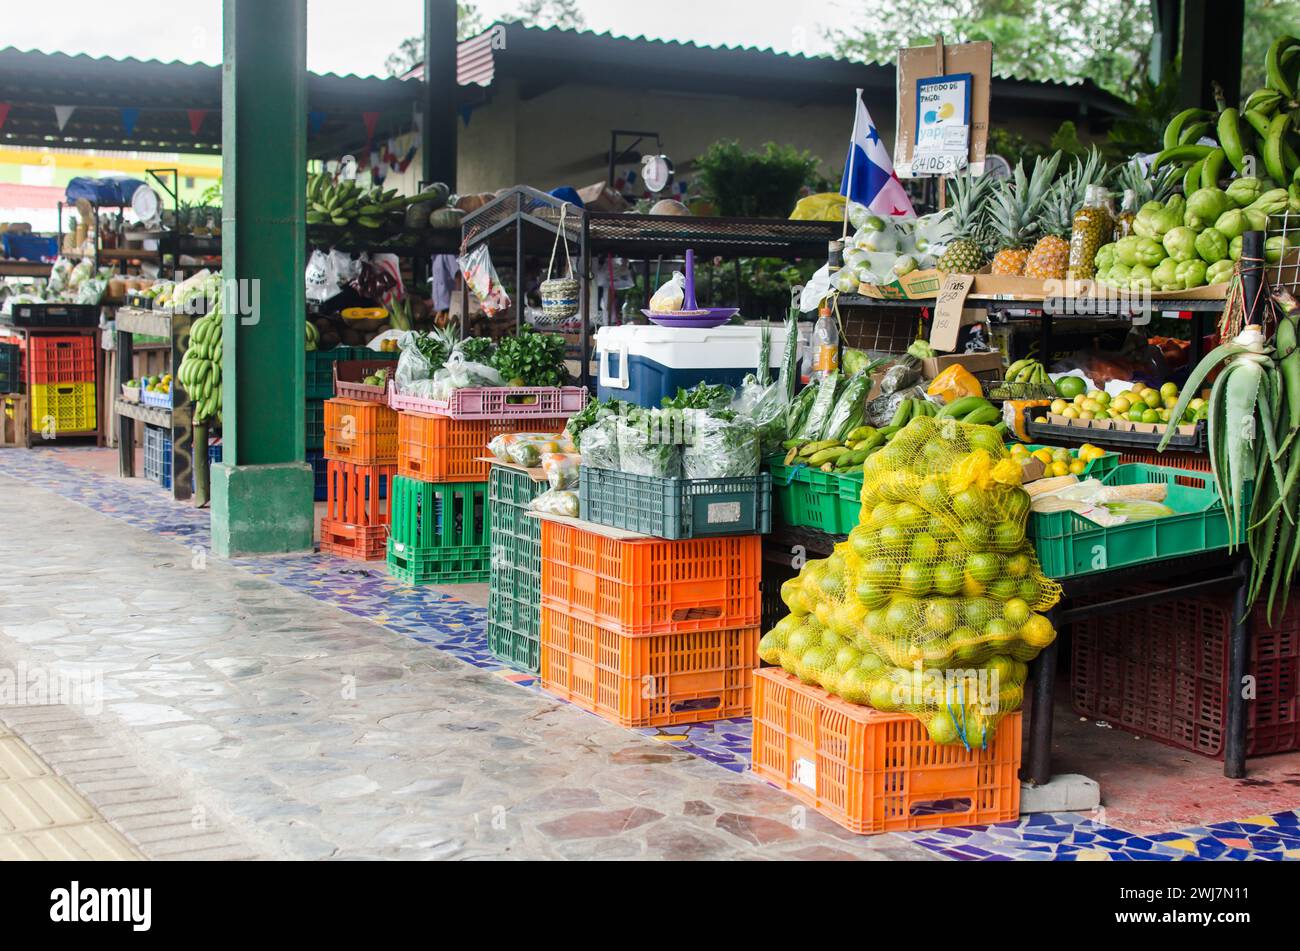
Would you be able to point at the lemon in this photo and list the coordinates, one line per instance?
(1078, 467)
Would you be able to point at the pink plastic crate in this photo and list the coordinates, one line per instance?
(510, 402)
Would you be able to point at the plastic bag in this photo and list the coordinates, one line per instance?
(461, 374)
(556, 502)
(719, 447)
(415, 372)
(481, 277)
(561, 469)
(955, 383)
(670, 298)
(650, 443)
(881, 410)
(768, 408)
(527, 449)
(600, 444)
(899, 377)
(823, 404)
(825, 206)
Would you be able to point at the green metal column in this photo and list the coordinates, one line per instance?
(263, 492)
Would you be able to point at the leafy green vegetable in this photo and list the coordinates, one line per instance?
(477, 350)
(592, 413)
(700, 396)
(532, 359)
(722, 446)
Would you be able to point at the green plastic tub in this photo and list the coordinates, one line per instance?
(1070, 545)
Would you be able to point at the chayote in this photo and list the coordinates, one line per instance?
(1204, 207)
(1150, 252)
(1105, 257)
(1126, 250)
(1232, 223)
(1191, 274)
(1244, 191)
(1220, 272)
(1180, 243)
(1212, 245)
(1164, 277)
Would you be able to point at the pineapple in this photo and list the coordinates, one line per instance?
(1156, 185)
(1016, 209)
(1050, 258)
(968, 215)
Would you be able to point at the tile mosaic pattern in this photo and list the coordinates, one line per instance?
(439, 620)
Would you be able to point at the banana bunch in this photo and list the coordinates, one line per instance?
(346, 203)
(313, 337)
(200, 370)
(1266, 125)
(830, 455)
(974, 410)
(1027, 371)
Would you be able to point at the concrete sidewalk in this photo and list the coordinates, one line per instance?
(242, 719)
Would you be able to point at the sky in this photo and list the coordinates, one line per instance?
(346, 37)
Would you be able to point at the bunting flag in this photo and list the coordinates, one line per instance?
(62, 114)
(315, 120)
(130, 116)
(371, 119)
(196, 119)
(4, 113)
(465, 113)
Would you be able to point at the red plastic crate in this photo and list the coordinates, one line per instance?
(441, 449)
(662, 680)
(363, 433)
(875, 772)
(652, 586)
(358, 542)
(1162, 672)
(358, 495)
(62, 359)
(1196, 462)
(516, 402)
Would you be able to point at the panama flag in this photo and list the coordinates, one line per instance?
(869, 177)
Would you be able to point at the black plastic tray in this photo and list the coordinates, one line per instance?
(53, 315)
(1112, 438)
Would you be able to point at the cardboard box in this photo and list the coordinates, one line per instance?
(919, 285)
(985, 367)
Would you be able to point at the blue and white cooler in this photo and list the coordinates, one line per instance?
(642, 364)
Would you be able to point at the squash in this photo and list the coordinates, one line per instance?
(446, 218)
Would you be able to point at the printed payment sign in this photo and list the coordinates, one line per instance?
(943, 124)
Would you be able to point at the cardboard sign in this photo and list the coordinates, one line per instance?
(949, 312)
(942, 119)
(938, 61)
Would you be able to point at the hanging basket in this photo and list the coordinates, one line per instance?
(559, 298)
(560, 294)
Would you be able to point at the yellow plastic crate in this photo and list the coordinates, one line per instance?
(66, 407)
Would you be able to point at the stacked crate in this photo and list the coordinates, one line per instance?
(649, 632)
(360, 452)
(515, 585)
(13, 406)
(62, 371)
(443, 536)
(321, 386)
(158, 455)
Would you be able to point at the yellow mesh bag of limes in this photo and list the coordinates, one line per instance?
(934, 606)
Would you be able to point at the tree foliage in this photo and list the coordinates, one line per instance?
(410, 52)
(564, 14)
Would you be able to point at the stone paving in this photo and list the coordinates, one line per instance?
(301, 731)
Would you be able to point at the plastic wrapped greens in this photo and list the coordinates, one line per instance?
(600, 443)
(721, 446)
(823, 403)
(650, 443)
(768, 408)
(557, 502)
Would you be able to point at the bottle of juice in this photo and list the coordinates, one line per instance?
(1127, 215)
(825, 343)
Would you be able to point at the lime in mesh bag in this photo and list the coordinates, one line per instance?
(934, 606)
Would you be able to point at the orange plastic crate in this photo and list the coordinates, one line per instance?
(662, 680)
(442, 449)
(875, 772)
(362, 433)
(652, 586)
(358, 542)
(358, 495)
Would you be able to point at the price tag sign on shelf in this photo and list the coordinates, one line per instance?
(938, 163)
(949, 311)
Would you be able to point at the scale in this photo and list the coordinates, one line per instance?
(147, 206)
(691, 314)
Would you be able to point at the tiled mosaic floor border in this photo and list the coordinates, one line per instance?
(439, 620)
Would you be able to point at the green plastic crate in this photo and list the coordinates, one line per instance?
(11, 358)
(428, 516)
(320, 367)
(515, 583)
(1098, 468)
(1070, 545)
(315, 424)
(416, 566)
(810, 498)
(515, 630)
(677, 509)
